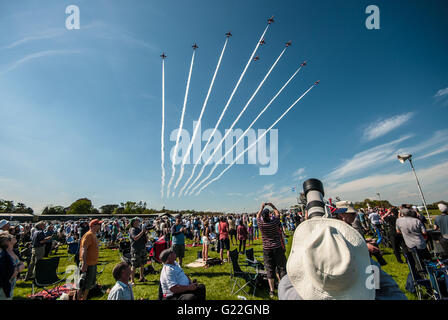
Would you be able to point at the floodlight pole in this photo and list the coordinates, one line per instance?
(420, 189)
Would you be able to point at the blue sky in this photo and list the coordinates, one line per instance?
(80, 109)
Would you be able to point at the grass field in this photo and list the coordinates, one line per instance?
(216, 278)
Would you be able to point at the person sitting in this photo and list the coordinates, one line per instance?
(121, 290)
(175, 284)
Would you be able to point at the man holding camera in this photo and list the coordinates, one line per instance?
(38, 240)
(178, 231)
(139, 239)
(273, 254)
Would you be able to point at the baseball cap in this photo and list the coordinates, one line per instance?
(3, 223)
(443, 207)
(165, 254)
(94, 222)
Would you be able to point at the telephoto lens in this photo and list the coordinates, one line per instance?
(314, 193)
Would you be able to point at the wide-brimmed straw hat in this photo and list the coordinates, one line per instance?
(329, 260)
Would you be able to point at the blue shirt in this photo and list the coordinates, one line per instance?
(178, 238)
(196, 225)
(254, 222)
(121, 291)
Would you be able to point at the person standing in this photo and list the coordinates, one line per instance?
(205, 241)
(232, 230)
(88, 256)
(138, 237)
(178, 234)
(242, 237)
(224, 242)
(273, 254)
(38, 240)
(395, 238)
(441, 223)
(413, 232)
(375, 221)
(10, 266)
(122, 290)
(255, 226)
(196, 232)
(250, 232)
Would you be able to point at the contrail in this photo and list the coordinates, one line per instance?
(250, 126)
(236, 120)
(173, 167)
(259, 138)
(225, 108)
(182, 168)
(162, 140)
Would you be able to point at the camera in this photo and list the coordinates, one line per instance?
(313, 190)
(149, 227)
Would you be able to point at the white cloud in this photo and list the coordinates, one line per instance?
(234, 194)
(384, 126)
(48, 34)
(36, 55)
(367, 159)
(395, 187)
(433, 153)
(441, 92)
(299, 175)
(439, 137)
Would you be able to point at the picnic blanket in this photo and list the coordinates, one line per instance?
(198, 263)
(54, 293)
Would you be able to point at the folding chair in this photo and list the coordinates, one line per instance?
(420, 281)
(252, 261)
(46, 273)
(237, 273)
(438, 278)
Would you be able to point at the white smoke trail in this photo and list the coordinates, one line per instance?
(162, 140)
(225, 108)
(250, 126)
(173, 167)
(234, 122)
(254, 143)
(187, 154)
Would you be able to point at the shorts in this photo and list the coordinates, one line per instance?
(179, 250)
(224, 244)
(205, 241)
(88, 279)
(138, 258)
(274, 261)
(232, 232)
(196, 233)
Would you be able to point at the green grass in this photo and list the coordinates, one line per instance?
(216, 278)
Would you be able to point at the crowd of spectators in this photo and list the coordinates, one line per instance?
(25, 244)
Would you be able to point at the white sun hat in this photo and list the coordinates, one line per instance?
(329, 260)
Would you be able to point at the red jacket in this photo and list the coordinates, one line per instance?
(242, 232)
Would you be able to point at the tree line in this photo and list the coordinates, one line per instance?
(84, 206)
(8, 206)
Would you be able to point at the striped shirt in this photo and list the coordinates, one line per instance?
(270, 233)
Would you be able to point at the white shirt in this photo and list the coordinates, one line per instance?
(374, 218)
(172, 275)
